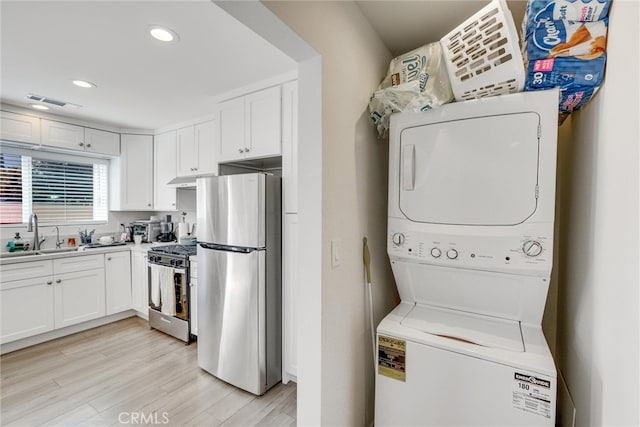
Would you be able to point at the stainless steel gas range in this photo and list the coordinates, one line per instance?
(169, 301)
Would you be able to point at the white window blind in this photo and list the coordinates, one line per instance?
(59, 189)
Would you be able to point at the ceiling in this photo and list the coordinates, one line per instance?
(145, 84)
(406, 25)
(141, 83)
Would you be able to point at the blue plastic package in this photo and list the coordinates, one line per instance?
(565, 72)
(573, 10)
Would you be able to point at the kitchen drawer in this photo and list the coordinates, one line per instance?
(78, 263)
(25, 270)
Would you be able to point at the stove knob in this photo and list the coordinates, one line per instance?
(435, 252)
(452, 254)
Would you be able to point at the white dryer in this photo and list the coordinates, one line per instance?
(470, 240)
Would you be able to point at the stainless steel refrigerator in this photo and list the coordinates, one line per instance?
(239, 279)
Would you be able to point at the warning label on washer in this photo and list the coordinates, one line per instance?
(391, 357)
(532, 394)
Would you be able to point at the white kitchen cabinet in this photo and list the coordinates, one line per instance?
(140, 283)
(197, 149)
(290, 279)
(263, 122)
(117, 272)
(73, 137)
(78, 297)
(19, 127)
(193, 296)
(101, 142)
(250, 126)
(26, 307)
(290, 146)
(232, 132)
(131, 175)
(50, 294)
(164, 170)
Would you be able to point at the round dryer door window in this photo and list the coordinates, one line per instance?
(477, 171)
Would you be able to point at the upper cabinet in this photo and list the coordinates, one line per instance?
(73, 137)
(250, 126)
(197, 146)
(19, 128)
(101, 142)
(131, 175)
(164, 170)
(290, 146)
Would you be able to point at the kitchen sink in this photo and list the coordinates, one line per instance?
(4, 255)
(9, 255)
(56, 251)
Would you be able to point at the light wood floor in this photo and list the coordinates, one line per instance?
(125, 374)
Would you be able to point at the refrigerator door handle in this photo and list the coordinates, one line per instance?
(225, 248)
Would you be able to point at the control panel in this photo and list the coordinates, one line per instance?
(507, 253)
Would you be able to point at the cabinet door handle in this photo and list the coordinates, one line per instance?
(109, 259)
(59, 281)
(173, 204)
(82, 144)
(50, 282)
(148, 204)
(246, 150)
(240, 150)
(88, 145)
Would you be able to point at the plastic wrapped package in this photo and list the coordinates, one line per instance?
(578, 79)
(585, 40)
(416, 81)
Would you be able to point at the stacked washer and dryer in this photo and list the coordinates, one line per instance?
(470, 240)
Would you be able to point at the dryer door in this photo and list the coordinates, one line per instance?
(477, 171)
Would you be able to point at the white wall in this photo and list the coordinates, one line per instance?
(354, 182)
(598, 329)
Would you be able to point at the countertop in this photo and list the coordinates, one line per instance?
(81, 251)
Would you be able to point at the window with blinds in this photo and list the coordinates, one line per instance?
(57, 189)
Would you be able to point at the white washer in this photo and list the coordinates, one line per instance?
(470, 240)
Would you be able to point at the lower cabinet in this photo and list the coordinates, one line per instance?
(193, 296)
(117, 273)
(289, 298)
(26, 308)
(78, 297)
(140, 283)
(42, 295)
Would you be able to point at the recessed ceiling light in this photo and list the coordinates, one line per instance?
(83, 83)
(39, 106)
(163, 34)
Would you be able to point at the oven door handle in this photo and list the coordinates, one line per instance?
(177, 270)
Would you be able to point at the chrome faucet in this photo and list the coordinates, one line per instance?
(33, 219)
(58, 241)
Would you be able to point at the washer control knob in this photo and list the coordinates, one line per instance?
(435, 252)
(397, 239)
(452, 254)
(532, 248)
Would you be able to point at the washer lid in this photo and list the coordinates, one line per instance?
(476, 171)
(474, 328)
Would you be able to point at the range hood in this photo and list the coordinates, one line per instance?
(185, 181)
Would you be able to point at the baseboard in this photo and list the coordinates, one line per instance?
(58, 333)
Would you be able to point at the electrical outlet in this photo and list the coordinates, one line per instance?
(335, 252)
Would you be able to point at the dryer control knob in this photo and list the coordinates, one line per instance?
(452, 254)
(435, 252)
(532, 248)
(397, 239)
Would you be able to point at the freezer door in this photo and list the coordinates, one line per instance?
(231, 210)
(231, 317)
